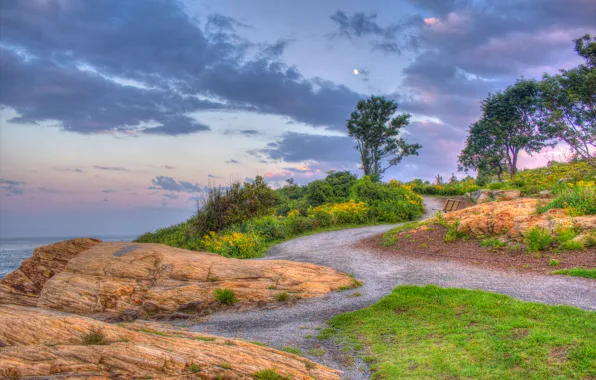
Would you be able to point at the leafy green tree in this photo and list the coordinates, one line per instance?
(510, 120)
(377, 132)
(569, 103)
(482, 153)
(340, 182)
(318, 192)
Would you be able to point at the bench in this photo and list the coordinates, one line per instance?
(451, 205)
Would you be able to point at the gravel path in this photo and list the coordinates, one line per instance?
(295, 326)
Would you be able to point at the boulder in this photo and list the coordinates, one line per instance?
(505, 195)
(514, 218)
(481, 196)
(53, 345)
(24, 285)
(124, 281)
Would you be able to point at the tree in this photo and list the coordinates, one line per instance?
(377, 135)
(439, 179)
(510, 118)
(568, 109)
(340, 182)
(453, 179)
(482, 152)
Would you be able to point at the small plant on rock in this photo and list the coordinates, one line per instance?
(194, 368)
(282, 297)
(94, 338)
(225, 296)
(554, 263)
(492, 242)
(269, 374)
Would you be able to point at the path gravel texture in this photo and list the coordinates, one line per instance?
(298, 325)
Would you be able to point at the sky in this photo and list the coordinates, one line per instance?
(116, 116)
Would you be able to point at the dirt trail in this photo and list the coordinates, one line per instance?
(298, 325)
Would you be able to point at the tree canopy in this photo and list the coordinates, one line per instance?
(377, 133)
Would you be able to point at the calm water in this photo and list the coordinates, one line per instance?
(15, 250)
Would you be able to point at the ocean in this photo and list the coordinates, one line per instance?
(14, 250)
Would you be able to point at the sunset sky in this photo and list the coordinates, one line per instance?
(116, 115)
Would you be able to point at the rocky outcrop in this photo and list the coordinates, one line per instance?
(513, 219)
(125, 281)
(24, 285)
(483, 196)
(42, 343)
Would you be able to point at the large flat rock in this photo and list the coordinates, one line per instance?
(126, 281)
(49, 344)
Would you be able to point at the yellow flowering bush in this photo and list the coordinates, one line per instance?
(292, 214)
(233, 244)
(340, 213)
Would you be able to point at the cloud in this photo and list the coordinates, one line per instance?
(298, 147)
(111, 168)
(143, 76)
(213, 176)
(109, 191)
(245, 132)
(232, 161)
(171, 195)
(68, 170)
(393, 39)
(169, 167)
(11, 187)
(170, 184)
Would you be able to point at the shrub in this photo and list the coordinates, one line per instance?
(94, 338)
(301, 224)
(194, 368)
(538, 239)
(390, 203)
(225, 296)
(572, 245)
(340, 213)
(578, 199)
(282, 297)
(319, 192)
(268, 227)
(233, 244)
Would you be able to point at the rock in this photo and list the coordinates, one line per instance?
(481, 196)
(126, 280)
(505, 195)
(514, 218)
(24, 285)
(48, 344)
(544, 193)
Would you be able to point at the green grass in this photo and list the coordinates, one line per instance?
(292, 350)
(430, 332)
(94, 338)
(316, 352)
(194, 368)
(492, 242)
(578, 272)
(269, 374)
(282, 297)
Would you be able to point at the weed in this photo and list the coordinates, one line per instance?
(205, 338)
(572, 245)
(148, 331)
(282, 297)
(225, 365)
(424, 245)
(292, 350)
(229, 343)
(225, 296)
(578, 272)
(269, 374)
(492, 242)
(553, 263)
(316, 352)
(194, 368)
(308, 336)
(257, 343)
(94, 338)
(271, 287)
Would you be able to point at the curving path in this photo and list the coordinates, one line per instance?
(381, 272)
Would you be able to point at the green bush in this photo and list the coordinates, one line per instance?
(577, 199)
(553, 263)
(282, 297)
(538, 239)
(388, 202)
(269, 374)
(269, 227)
(225, 296)
(94, 338)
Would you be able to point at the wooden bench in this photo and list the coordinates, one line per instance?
(451, 205)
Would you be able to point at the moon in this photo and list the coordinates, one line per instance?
(355, 71)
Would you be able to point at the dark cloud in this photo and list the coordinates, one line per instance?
(111, 168)
(68, 170)
(171, 195)
(394, 39)
(213, 176)
(109, 191)
(245, 132)
(170, 184)
(11, 187)
(232, 161)
(166, 59)
(298, 147)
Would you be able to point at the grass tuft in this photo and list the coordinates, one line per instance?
(225, 296)
(578, 272)
(269, 374)
(94, 338)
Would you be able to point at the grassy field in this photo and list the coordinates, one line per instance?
(430, 332)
